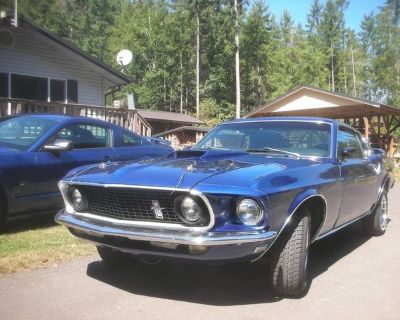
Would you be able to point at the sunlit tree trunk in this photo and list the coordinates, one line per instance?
(332, 69)
(198, 62)
(354, 73)
(237, 59)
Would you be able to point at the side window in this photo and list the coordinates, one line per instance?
(85, 136)
(347, 138)
(130, 140)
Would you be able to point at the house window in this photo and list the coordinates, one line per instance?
(4, 85)
(72, 94)
(28, 87)
(57, 90)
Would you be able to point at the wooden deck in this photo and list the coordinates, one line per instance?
(126, 118)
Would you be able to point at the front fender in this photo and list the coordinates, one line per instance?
(301, 198)
(387, 183)
(296, 203)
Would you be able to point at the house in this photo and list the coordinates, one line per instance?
(40, 72)
(184, 136)
(162, 121)
(38, 65)
(377, 121)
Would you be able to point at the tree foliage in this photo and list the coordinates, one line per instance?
(276, 55)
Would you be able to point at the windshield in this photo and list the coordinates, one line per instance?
(276, 137)
(21, 132)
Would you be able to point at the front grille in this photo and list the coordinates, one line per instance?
(130, 203)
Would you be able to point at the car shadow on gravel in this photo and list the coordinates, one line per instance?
(220, 285)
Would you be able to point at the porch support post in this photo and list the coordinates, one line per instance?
(366, 127)
(390, 146)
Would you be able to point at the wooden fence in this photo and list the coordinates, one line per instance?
(126, 118)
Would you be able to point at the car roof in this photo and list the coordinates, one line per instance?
(60, 118)
(311, 119)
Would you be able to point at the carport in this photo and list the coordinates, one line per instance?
(377, 121)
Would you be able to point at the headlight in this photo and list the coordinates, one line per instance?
(77, 200)
(191, 210)
(249, 212)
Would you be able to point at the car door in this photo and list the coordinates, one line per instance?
(92, 143)
(358, 177)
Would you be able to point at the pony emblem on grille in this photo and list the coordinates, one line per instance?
(157, 209)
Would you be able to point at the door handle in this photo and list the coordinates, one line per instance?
(107, 158)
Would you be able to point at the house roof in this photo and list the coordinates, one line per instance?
(332, 104)
(184, 128)
(26, 22)
(169, 116)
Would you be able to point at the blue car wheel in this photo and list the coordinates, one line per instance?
(375, 224)
(289, 263)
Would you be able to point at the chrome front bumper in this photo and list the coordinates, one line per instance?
(100, 229)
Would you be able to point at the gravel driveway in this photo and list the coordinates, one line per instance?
(354, 277)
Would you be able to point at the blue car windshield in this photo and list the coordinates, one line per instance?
(21, 132)
(277, 137)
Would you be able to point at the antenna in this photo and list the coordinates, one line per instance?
(124, 57)
(16, 13)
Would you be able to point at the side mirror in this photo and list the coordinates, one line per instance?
(348, 152)
(59, 145)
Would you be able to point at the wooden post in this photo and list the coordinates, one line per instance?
(379, 125)
(366, 127)
(390, 146)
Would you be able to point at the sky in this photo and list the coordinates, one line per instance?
(300, 8)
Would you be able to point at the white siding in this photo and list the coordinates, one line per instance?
(34, 54)
(306, 102)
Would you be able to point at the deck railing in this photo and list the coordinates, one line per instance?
(126, 118)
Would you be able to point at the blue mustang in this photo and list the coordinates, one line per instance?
(250, 189)
(36, 151)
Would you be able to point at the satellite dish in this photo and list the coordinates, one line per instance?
(124, 57)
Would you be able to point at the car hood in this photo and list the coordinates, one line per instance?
(185, 169)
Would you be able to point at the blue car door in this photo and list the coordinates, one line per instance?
(358, 178)
(92, 143)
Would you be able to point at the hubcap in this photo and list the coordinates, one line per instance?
(384, 213)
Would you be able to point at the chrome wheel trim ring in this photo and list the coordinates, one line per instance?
(383, 213)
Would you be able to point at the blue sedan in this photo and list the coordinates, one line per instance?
(251, 189)
(36, 151)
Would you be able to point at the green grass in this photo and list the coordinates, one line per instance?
(39, 245)
(396, 174)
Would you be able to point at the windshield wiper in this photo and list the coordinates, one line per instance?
(274, 150)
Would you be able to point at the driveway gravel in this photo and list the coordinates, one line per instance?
(354, 277)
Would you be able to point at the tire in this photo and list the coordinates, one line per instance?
(112, 257)
(375, 224)
(289, 260)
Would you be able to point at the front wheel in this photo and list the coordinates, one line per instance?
(375, 224)
(289, 261)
